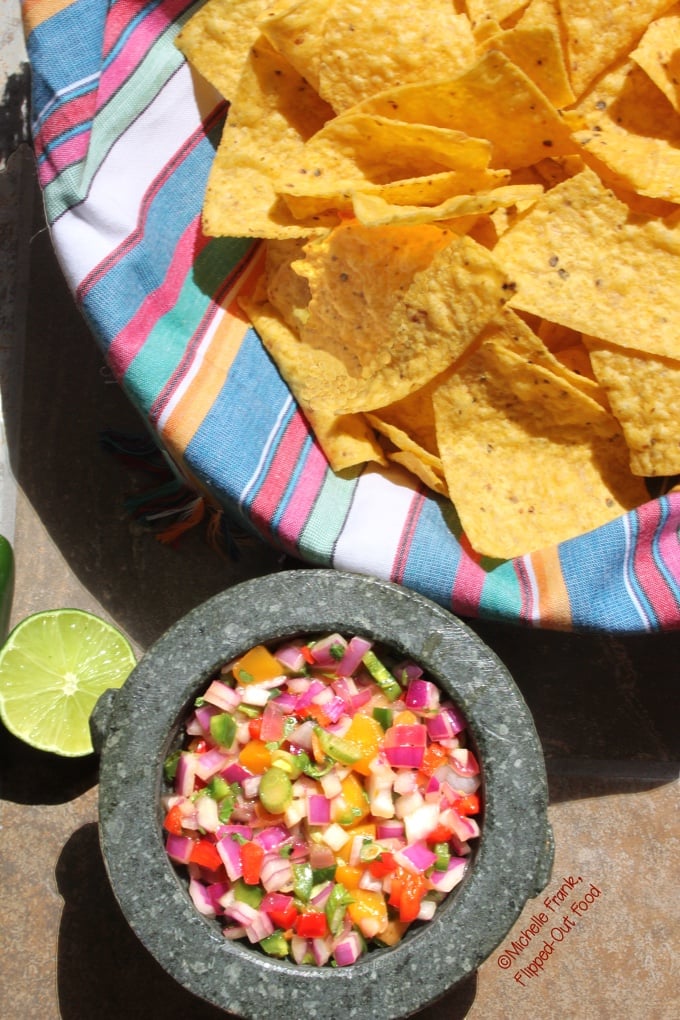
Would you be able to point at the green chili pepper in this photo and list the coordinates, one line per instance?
(275, 944)
(443, 856)
(303, 881)
(250, 894)
(336, 905)
(6, 585)
(382, 676)
(223, 729)
(337, 748)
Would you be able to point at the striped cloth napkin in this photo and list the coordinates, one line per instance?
(124, 136)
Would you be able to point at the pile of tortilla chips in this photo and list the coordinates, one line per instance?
(472, 219)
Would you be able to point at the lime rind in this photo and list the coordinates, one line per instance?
(53, 667)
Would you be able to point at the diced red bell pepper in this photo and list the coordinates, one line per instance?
(204, 853)
(406, 893)
(384, 865)
(254, 727)
(198, 745)
(281, 909)
(307, 655)
(468, 805)
(252, 855)
(311, 925)
(172, 822)
(440, 834)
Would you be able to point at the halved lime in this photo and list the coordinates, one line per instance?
(53, 668)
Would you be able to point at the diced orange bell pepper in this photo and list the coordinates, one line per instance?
(435, 755)
(368, 911)
(353, 802)
(348, 875)
(257, 665)
(406, 893)
(367, 733)
(256, 757)
(468, 805)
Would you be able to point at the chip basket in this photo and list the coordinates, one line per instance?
(124, 134)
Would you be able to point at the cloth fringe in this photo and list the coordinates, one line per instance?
(170, 508)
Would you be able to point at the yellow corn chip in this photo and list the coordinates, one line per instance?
(494, 96)
(295, 29)
(632, 129)
(644, 393)
(658, 53)
(372, 46)
(579, 258)
(217, 39)
(373, 211)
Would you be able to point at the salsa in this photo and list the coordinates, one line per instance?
(324, 799)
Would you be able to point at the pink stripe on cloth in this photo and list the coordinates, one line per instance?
(277, 479)
(469, 580)
(410, 526)
(64, 119)
(645, 564)
(304, 495)
(158, 302)
(59, 158)
(136, 48)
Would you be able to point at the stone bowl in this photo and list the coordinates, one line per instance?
(136, 727)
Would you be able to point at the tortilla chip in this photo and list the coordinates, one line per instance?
(599, 34)
(295, 29)
(264, 128)
(356, 277)
(644, 393)
(217, 39)
(658, 53)
(529, 461)
(580, 259)
(370, 47)
(373, 211)
(346, 440)
(432, 322)
(633, 131)
(523, 126)
(534, 44)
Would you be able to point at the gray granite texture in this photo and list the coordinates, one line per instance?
(135, 728)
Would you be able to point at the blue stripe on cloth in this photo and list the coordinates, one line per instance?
(434, 556)
(603, 593)
(74, 61)
(226, 453)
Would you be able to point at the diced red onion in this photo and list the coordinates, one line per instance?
(287, 702)
(291, 657)
(320, 898)
(275, 901)
(419, 856)
(407, 735)
(321, 951)
(256, 695)
(354, 653)
(185, 776)
(405, 757)
(347, 949)
(463, 762)
(201, 898)
(272, 723)
(407, 671)
(362, 697)
(422, 695)
(261, 927)
(302, 735)
(445, 881)
(216, 890)
(235, 772)
(420, 823)
(307, 697)
(207, 817)
(179, 848)
(223, 697)
(210, 763)
(193, 727)
(272, 837)
(241, 912)
(277, 872)
(447, 723)
(299, 948)
(334, 708)
(427, 910)
(322, 651)
(321, 856)
(244, 831)
(229, 851)
(238, 931)
(251, 785)
(393, 829)
(318, 810)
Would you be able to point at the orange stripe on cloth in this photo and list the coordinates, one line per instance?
(35, 12)
(552, 594)
(211, 373)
